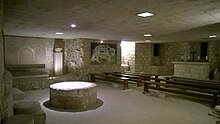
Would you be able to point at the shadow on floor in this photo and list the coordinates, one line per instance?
(98, 104)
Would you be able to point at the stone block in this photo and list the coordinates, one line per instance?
(18, 94)
(217, 108)
(39, 117)
(19, 119)
(188, 75)
(196, 76)
(26, 107)
(31, 107)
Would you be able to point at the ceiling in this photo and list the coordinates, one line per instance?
(174, 20)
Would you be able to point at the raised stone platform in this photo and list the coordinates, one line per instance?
(196, 70)
(73, 95)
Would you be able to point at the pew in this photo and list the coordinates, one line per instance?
(133, 77)
(192, 80)
(120, 80)
(201, 90)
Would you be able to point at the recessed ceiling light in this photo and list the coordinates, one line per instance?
(73, 25)
(59, 33)
(145, 14)
(147, 35)
(147, 40)
(211, 36)
(101, 41)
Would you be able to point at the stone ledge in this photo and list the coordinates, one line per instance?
(19, 119)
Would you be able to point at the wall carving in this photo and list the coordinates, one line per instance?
(26, 50)
(26, 55)
(103, 53)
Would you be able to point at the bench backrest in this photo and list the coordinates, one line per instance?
(192, 83)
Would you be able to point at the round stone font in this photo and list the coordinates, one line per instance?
(73, 95)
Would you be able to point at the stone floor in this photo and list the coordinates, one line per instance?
(131, 107)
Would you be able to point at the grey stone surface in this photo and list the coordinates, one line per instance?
(74, 55)
(26, 107)
(24, 50)
(2, 91)
(77, 58)
(34, 83)
(18, 94)
(20, 119)
(7, 99)
(169, 52)
(175, 20)
(73, 95)
(32, 108)
(217, 108)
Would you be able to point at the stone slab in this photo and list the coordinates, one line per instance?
(18, 94)
(20, 119)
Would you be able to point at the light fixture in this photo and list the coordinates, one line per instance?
(59, 33)
(147, 35)
(101, 41)
(145, 14)
(211, 36)
(148, 41)
(73, 25)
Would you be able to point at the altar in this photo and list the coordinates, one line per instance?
(196, 70)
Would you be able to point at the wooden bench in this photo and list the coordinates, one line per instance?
(131, 77)
(192, 80)
(186, 88)
(121, 80)
(140, 74)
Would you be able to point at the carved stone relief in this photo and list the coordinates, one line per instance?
(26, 55)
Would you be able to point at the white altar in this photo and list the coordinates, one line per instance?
(197, 70)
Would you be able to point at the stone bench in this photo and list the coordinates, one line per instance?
(19, 119)
(28, 70)
(17, 94)
(32, 108)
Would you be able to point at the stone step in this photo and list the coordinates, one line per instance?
(27, 107)
(30, 107)
(18, 94)
(20, 119)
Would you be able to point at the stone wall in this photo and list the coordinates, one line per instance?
(77, 60)
(74, 55)
(145, 61)
(143, 56)
(169, 52)
(173, 52)
(6, 106)
(1, 64)
(214, 54)
(25, 50)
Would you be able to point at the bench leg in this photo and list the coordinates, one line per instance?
(139, 83)
(92, 78)
(156, 78)
(125, 85)
(146, 90)
(215, 100)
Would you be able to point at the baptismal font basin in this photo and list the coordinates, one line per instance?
(73, 95)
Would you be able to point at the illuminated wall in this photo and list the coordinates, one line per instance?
(128, 56)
